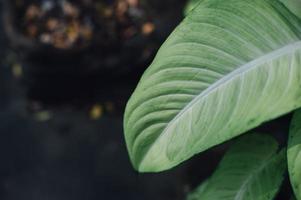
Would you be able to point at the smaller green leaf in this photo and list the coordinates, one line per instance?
(252, 169)
(294, 6)
(294, 154)
(196, 194)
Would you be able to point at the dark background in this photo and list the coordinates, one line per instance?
(52, 149)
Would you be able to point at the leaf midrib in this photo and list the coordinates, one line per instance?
(237, 72)
(251, 176)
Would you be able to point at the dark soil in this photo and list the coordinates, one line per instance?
(74, 24)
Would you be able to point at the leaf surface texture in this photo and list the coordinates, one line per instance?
(252, 169)
(294, 154)
(228, 67)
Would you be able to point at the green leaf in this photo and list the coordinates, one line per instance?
(252, 169)
(294, 154)
(228, 67)
(294, 6)
(191, 4)
(195, 195)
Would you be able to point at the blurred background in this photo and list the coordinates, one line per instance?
(67, 71)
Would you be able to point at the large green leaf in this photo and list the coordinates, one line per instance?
(252, 169)
(228, 67)
(294, 154)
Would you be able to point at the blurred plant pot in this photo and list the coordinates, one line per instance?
(59, 70)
